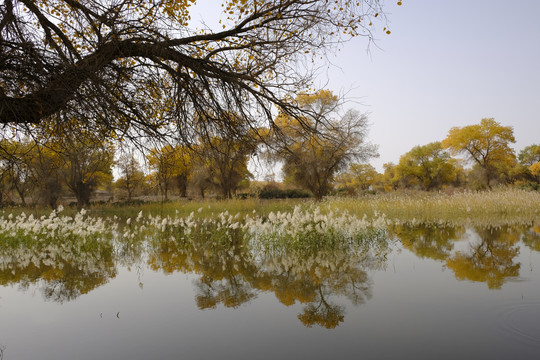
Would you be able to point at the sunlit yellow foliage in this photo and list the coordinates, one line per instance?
(317, 145)
(535, 169)
(171, 164)
(390, 177)
(358, 177)
(429, 166)
(486, 144)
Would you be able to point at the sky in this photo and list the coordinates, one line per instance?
(445, 64)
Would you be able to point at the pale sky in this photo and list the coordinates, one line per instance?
(445, 64)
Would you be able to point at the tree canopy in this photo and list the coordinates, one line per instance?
(486, 144)
(530, 157)
(132, 66)
(429, 165)
(312, 159)
(358, 177)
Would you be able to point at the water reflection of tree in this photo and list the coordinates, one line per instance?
(491, 260)
(225, 278)
(428, 241)
(316, 278)
(322, 313)
(63, 269)
(531, 238)
(232, 274)
(224, 268)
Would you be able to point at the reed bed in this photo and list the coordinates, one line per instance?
(488, 208)
(504, 206)
(300, 228)
(349, 226)
(201, 208)
(495, 208)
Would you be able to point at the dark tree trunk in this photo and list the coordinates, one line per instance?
(51, 191)
(82, 193)
(21, 195)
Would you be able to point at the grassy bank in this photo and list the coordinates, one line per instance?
(502, 206)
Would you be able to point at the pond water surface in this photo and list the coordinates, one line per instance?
(421, 292)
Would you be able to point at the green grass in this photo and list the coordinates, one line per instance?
(169, 208)
(201, 208)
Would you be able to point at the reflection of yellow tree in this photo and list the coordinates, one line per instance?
(224, 268)
(225, 277)
(322, 313)
(232, 273)
(314, 278)
(64, 269)
(531, 238)
(491, 260)
(427, 241)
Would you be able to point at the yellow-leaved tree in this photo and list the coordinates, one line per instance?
(171, 166)
(530, 157)
(15, 170)
(358, 177)
(314, 147)
(487, 145)
(223, 154)
(428, 166)
(86, 165)
(131, 175)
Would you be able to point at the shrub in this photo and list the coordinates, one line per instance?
(275, 193)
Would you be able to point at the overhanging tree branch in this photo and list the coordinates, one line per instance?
(119, 64)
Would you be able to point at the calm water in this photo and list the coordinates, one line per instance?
(423, 293)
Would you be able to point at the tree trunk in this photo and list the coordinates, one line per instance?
(82, 194)
(51, 191)
(129, 188)
(487, 178)
(181, 183)
(21, 195)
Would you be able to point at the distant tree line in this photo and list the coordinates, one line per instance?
(78, 163)
(485, 146)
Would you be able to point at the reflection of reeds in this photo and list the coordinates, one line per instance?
(304, 255)
(42, 241)
(301, 256)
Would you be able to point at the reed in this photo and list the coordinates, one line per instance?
(499, 207)
(505, 206)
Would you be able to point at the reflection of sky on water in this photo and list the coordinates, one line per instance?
(412, 306)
